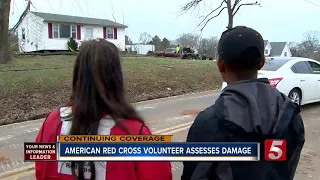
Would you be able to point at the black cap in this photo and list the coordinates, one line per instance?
(235, 41)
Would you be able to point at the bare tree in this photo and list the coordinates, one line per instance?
(145, 38)
(310, 44)
(208, 46)
(111, 6)
(5, 54)
(191, 40)
(309, 47)
(294, 48)
(312, 39)
(232, 7)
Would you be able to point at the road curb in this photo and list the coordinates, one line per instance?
(22, 122)
(136, 103)
(177, 96)
(15, 172)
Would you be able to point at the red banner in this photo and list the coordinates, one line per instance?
(40, 152)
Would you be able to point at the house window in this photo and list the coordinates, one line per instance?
(55, 28)
(110, 33)
(285, 54)
(74, 31)
(64, 31)
(23, 34)
(89, 34)
(266, 52)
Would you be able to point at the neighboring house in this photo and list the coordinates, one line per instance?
(275, 49)
(267, 48)
(280, 49)
(46, 32)
(142, 49)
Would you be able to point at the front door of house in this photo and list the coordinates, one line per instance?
(89, 34)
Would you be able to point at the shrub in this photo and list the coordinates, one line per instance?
(72, 45)
(204, 57)
(210, 58)
(150, 53)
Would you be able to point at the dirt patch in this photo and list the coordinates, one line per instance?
(4, 159)
(26, 95)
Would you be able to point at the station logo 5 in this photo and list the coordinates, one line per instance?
(275, 150)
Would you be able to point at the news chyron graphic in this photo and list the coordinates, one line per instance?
(275, 150)
(138, 148)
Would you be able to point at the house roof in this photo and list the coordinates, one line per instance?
(277, 48)
(77, 19)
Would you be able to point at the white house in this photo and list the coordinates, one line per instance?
(277, 49)
(45, 32)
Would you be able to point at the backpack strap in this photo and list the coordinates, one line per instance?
(141, 128)
(66, 113)
(140, 133)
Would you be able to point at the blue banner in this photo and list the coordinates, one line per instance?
(159, 151)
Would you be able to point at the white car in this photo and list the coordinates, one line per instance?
(298, 78)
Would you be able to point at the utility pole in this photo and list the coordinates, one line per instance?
(5, 54)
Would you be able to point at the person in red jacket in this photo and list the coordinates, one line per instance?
(97, 107)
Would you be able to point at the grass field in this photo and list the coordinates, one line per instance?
(30, 87)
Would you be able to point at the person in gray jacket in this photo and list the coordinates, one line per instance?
(247, 110)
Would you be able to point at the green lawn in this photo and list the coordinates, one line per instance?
(38, 62)
(32, 86)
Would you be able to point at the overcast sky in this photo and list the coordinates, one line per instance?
(276, 20)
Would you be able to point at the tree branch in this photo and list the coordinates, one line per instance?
(223, 1)
(111, 5)
(235, 4)
(212, 18)
(191, 4)
(78, 6)
(122, 16)
(247, 4)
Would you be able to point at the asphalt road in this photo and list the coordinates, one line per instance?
(164, 116)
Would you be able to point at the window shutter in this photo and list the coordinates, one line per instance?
(50, 30)
(78, 32)
(104, 32)
(115, 33)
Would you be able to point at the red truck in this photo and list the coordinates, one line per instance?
(169, 52)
